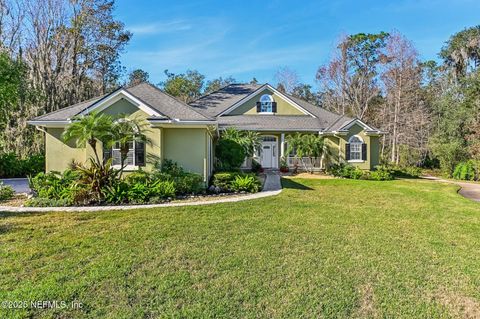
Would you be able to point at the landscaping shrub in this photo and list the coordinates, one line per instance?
(116, 193)
(172, 168)
(246, 183)
(163, 190)
(346, 171)
(186, 183)
(230, 155)
(6, 192)
(381, 173)
(469, 171)
(54, 185)
(235, 182)
(13, 166)
(223, 180)
(95, 185)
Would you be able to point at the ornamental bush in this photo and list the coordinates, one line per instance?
(6, 192)
(381, 173)
(236, 182)
(469, 171)
(230, 155)
(95, 185)
(13, 166)
(246, 183)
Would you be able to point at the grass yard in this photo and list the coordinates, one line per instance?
(322, 248)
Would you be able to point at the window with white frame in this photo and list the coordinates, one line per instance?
(355, 148)
(266, 102)
(135, 155)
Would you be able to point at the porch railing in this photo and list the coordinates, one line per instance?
(303, 163)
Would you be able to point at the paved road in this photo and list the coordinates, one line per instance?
(468, 190)
(20, 185)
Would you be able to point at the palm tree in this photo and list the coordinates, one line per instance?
(308, 145)
(249, 140)
(125, 131)
(294, 142)
(89, 129)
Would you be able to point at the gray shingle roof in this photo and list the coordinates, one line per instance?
(219, 101)
(165, 104)
(271, 122)
(67, 112)
(153, 97)
(209, 106)
(216, 102)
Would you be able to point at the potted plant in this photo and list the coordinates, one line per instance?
(283, 165)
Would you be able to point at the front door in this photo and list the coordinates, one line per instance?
(269, 153)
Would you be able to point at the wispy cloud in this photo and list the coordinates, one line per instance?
(160, 27)
(272, 58)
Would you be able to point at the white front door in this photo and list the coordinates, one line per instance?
(269, 154)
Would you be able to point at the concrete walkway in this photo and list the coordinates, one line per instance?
(19, 185)
(468, 190)
(272, 187)
(272, 181)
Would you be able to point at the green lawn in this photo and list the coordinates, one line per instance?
(322, 248)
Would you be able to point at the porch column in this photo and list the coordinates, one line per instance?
(282, 145)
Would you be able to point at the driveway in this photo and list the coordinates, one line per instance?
(468, 190)
(19, 185)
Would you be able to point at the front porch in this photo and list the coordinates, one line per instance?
(272, 154)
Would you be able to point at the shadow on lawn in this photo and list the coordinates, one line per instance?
(288, 183)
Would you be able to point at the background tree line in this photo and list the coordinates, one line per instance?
(54, 53)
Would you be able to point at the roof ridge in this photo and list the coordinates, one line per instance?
(176, 99)
(336, 121)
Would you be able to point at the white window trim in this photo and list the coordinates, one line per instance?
(361, 153)
(263, 101)
(127, 167)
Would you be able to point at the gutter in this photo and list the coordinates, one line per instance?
(56, 123)
(181, 122)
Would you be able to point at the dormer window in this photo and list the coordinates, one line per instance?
(266, 104)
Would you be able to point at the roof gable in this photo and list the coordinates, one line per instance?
(258, 91)
(115, 97)
(146, 97)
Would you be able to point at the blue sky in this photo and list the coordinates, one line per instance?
(248, 39)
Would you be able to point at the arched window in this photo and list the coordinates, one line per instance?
(266, 102)
(356, 148)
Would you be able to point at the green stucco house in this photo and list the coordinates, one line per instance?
(182, 132)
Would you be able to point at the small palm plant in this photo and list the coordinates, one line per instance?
(249, 140)
(124, 132)
(310, 146)
(90, 129)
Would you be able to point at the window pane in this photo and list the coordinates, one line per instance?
(116, 157)
(266, 107)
